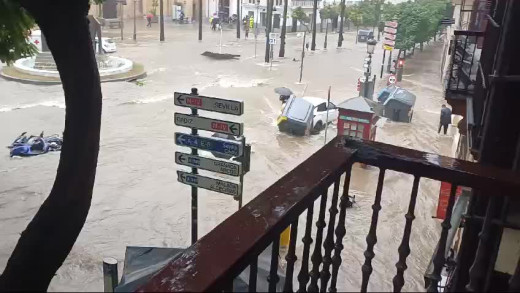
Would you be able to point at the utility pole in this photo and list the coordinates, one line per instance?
(256, 24)
(314, 12)
(135, 31)
(161, 20)
(200, 19)
(120, 19)
(326, 34)
(239, 20)
(284, 29)
(303, 55)
(268, 29)
(342, 18)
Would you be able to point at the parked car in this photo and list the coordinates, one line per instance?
(108, 45)
(306, 115)
(365, 35)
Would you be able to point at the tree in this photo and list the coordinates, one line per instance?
(314, 16)
(356, 17)
(342, 18)
(326, 13)
(161, 21)
(269, 26)
(50, 235)
(284, 29)
(301, 17)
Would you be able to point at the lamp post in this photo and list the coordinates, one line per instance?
(371, 45)
(135, 32)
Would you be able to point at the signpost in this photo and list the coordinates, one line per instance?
(221, 126)
(209, 104)
(272, 41)
(389, 36)
(391, 80)
(219, 166)
(236, 148)
(209, 183)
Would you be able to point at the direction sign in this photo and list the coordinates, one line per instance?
(272, 41)
(389, 43)
(217, 145)
(393, 24)
(389, 36)
(209, 183)
(390, 30)
(209, 103)
(388, 48)
(219, 166)
(226, 127)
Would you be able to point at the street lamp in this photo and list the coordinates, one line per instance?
(371, 45)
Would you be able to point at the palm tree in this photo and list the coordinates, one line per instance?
(284, 29)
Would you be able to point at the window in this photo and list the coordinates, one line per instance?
(322, 107)
(353, 129)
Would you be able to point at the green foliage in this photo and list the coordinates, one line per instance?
(155, 4)
(329, 12)
(355, 15)
(300, 15)
(15, 25)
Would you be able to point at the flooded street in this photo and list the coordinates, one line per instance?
(137, 199)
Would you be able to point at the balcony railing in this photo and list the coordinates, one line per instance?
(302, 3)
(233, 248)
(465, 54)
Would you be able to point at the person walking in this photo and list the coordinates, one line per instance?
(149, 17)
(445, 119)
(246, 27)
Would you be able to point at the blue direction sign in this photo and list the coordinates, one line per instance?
(209, 183)
(217, 145)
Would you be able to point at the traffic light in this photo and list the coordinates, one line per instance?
(400, 63)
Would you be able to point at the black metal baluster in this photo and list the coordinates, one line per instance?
(316, 255)
(340, 230)
(366, 269)
(303, 276)
(440, 256)
(404, 248)
(291, 258)
(477, 272)
(514, 282)
(273, 271)
(253, 271)
(328, 245)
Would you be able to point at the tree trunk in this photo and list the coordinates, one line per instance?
(239, 20)
(284, 30)
(269, 24)
(421, 46)
(342, 18)
(161, 20)
(314, 12)
(51, 234)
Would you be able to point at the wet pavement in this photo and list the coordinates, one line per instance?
(137, 199)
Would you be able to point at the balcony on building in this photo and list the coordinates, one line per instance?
(309, 208)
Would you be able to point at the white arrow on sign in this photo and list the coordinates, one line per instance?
(219, 166)
(389, 43)
(209, 104)
(389, 36)
(209, 183)
(215, 125)
(393, 24)
(390, 30)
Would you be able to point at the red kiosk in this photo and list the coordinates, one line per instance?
(357, 118)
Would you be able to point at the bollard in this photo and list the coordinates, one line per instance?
(109, 274)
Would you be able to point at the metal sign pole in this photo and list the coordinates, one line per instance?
(327, 119)
(303, 56)
(271, 53)
(382, 64)
(194, 190)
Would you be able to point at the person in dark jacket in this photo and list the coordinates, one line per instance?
(445, 119)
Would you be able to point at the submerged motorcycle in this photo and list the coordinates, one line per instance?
(26, 146)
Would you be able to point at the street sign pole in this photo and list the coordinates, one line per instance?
(194, 191)
(382, 64)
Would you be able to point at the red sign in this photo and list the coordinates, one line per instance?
(36, 42)
(444, 197)
(390, 30)
(220, 126)
(389, 36)
(391, 24)
(389, 43)
(194, 101)
(391, 80)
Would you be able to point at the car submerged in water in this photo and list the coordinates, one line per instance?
(306, 115)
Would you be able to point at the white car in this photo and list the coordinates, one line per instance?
(108, 45)
(305, 115)
(320, 113)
